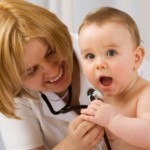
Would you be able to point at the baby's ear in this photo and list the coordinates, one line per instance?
(139, 55)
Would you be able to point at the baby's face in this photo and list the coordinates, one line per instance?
(108, 56)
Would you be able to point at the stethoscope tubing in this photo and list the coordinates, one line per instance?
(64, 110)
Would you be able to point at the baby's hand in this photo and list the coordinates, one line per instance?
(99, 113)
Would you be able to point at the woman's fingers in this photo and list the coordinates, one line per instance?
(98, 136)
(94, 133)
(75, 123)
(87, 133)
(80, 126)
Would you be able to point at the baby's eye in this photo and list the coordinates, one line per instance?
(90, 56)
(111, 52)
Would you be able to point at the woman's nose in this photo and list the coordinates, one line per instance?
(50, 69)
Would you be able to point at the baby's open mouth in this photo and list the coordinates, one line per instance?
(106, 81)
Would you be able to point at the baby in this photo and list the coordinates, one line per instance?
(111, 53)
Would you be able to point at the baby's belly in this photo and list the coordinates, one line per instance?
(119, 144)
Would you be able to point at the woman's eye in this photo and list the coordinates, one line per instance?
(49, 52)
(32, 71)
(111, 53)
(90, 56)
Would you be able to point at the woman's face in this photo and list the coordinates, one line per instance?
(43, 69)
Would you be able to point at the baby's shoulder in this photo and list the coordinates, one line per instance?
(143, 84)
(144, 91)
(146, 86)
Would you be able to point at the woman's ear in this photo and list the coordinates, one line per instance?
(139, 55)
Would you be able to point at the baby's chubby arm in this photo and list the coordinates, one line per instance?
(134, 130)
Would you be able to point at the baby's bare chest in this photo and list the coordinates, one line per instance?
(129, 109)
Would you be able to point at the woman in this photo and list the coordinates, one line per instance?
(37, 63)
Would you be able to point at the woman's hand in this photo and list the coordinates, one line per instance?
(84, 134)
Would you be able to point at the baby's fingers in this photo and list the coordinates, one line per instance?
(88, 118)
(89, 112)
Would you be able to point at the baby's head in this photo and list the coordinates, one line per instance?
(111, 51)
(106, 15)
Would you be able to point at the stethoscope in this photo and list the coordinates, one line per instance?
(67, 108)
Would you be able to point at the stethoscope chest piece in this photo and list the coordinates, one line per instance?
(94, 94)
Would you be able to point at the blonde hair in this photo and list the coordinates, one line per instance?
(108, 14)
(21, 21)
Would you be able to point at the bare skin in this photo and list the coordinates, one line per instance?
(130, 108)
(127, 107)
(110, 60)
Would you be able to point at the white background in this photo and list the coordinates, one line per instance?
(72, 12)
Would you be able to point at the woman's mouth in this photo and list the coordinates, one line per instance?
(106, 81)
(57, 78)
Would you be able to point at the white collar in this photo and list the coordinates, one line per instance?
(57, 105)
